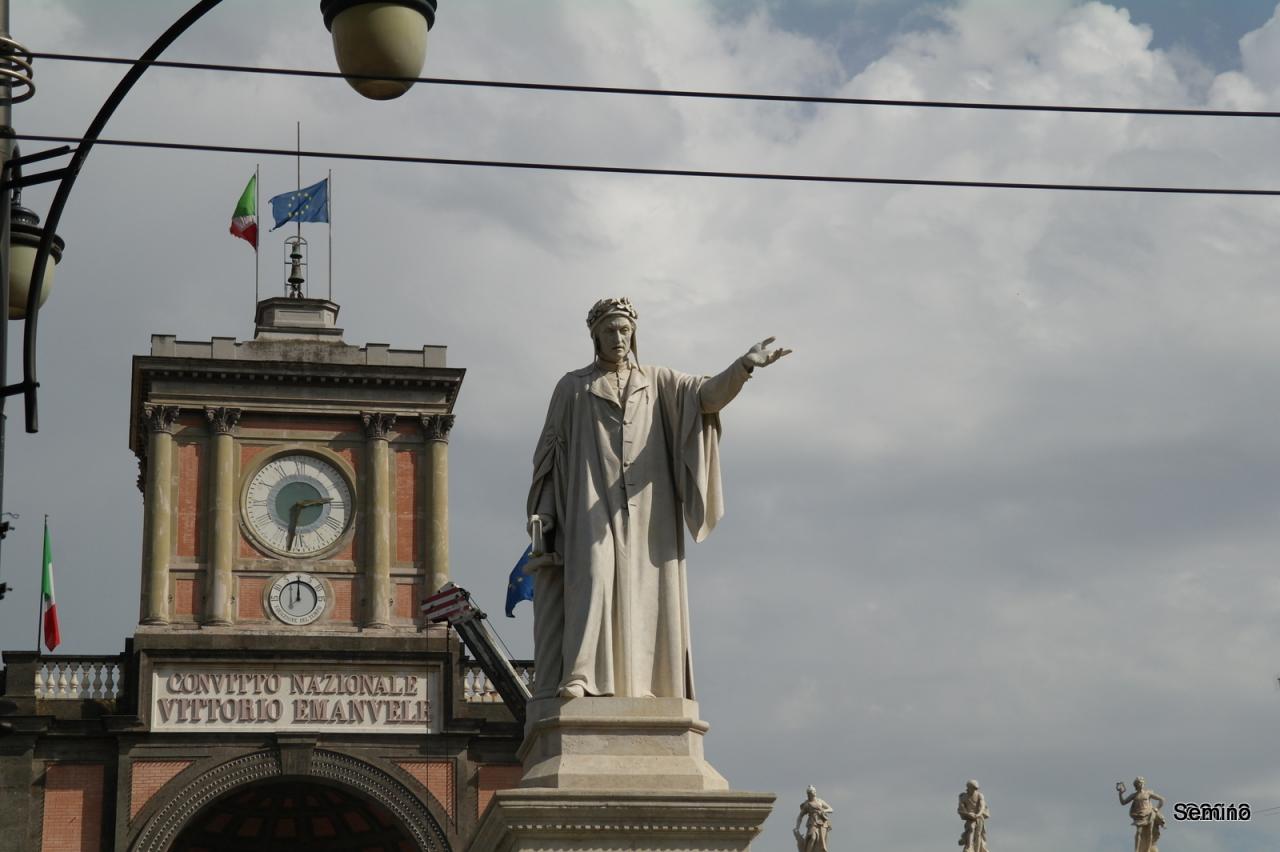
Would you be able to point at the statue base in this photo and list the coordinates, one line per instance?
(532, 820)
(651, 745)
(618, 773)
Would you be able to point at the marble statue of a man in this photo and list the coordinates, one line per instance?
(816, 815)
(973, 810)
(1145, 816)
(628, 453)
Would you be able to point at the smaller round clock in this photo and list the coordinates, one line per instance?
(297, 598)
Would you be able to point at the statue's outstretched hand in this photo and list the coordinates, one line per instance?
(761, 355)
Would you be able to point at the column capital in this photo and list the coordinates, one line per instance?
(377, 424)
(437, 426)
(222, 421)
(159, 418)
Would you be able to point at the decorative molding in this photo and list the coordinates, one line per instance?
(222, 421)
(159, 418)
(163, 827)
(142, 469)
(445, 379)
(339, 769)
(383, 788)
(437, 426)
(377, 424)
(635, 827)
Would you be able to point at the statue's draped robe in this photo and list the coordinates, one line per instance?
(619, 477)
(1147, 821)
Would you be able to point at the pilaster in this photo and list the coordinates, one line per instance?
(436, 428)
(377, 524)
(222, 529)
(158, 421)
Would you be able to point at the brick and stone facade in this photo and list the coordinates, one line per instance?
(225, 725)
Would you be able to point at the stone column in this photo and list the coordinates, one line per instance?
(222, 526)
(377, 518)
(158, 421)
(436, 517)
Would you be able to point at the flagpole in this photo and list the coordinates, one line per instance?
(257, 215)
(329, 203)
(299, 178)
(40, 609)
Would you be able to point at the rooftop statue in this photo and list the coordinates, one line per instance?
(1146, 817)
(818, 823)
(973, 810)
(629, 453)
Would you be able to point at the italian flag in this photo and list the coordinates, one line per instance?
(52, 636)
(244, 222)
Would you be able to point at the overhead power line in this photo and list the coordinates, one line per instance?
(675, 93)
(636, 170)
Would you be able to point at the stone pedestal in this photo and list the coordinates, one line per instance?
(635, 744)
(618, 773)
(533, 820)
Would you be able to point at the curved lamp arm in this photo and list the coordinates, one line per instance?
(108, 108)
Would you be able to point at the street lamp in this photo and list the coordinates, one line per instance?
(379, 44)
(25, 235)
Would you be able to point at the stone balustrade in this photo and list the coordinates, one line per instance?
(79, 677)
(87, 677)
(476, 688)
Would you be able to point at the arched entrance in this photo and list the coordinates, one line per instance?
(293, 813)
(335, 803)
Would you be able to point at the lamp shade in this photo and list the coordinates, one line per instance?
(379, 39)
(24, 240)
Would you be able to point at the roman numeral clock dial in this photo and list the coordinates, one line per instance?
(297, 505)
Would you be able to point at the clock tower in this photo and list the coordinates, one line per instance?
(281, 690)
(292, 483)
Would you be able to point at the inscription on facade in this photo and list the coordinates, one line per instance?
(373, 699)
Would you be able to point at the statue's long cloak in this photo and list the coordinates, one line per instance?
(620, 479)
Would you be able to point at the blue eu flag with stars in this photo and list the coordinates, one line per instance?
(520, 586)
(309, 204)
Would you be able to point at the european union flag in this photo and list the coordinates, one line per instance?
(309, 204)
(520, 586)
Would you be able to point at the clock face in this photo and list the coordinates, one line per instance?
(298, 505)
(297, 598)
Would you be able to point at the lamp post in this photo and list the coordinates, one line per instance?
(380, 46)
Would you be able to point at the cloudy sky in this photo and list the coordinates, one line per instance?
(1012, 509)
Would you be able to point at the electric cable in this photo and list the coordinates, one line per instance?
(638, 170)
(670, 93)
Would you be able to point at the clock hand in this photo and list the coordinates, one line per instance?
(294, 511)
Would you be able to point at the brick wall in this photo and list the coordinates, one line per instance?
(249, 598)
(493, 777)
(147, 777)
(407, 599)
(191, 500)
(72, 808)
(437, 777)
(343, 606)
(409, 507)
(188, 596)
